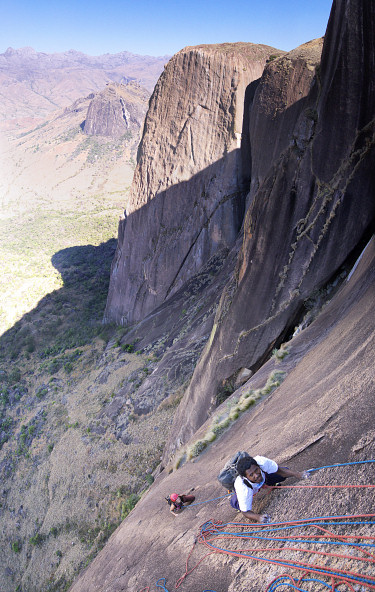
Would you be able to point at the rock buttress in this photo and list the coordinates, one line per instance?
(187, 196)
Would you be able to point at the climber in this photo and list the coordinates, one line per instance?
(177, 501)
(253, 474)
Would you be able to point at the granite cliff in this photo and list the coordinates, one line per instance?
(321, 414)
(189, 187)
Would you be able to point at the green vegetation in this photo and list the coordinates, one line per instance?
(29, 432)
(234, 409)
(128, 504)
(6, 424)
(96, 148)
(128, 347)
(66, 319)
(41, 392)
(46, 255)
(37, 540)
(16, 546)
(69, 134)
(279, 354)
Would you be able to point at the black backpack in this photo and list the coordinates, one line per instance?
(228, 474)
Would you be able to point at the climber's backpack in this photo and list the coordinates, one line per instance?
(228, 474)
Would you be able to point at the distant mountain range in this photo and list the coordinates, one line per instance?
(34, 84)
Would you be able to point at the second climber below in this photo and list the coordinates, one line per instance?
(178, 501)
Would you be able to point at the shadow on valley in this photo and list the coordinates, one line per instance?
(66, 318)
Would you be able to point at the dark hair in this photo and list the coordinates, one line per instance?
(245, 463)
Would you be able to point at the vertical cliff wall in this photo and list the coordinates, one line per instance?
(187, 196)
(311, 203)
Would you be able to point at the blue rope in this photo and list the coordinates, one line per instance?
(359, 462)
(307, 522)
(279, 582)
(289, 584)
(210, 528)
(311, 541)
(209, 500)
(245, 535)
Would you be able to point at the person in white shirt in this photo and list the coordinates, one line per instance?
(253, 473)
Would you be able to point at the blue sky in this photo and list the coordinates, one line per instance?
(157, 27)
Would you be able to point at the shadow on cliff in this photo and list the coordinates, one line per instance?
(168, 240)
(68, 317)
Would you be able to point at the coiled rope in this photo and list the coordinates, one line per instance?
(211, 532)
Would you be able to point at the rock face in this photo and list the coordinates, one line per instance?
(187, 196)
(281, 98)
(311, 202)
(117, 110)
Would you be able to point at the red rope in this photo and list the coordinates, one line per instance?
(189, 571)
(312, 568)
(310, 521)
(281, 487)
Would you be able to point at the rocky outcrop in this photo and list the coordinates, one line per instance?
(118, 110)
(314, 204)
(187, 196)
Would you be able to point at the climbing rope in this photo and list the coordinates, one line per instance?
(206, 501)
(288, 580)
(358, 462)
(211, 533)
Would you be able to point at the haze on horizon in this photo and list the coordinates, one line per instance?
(158, 28)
